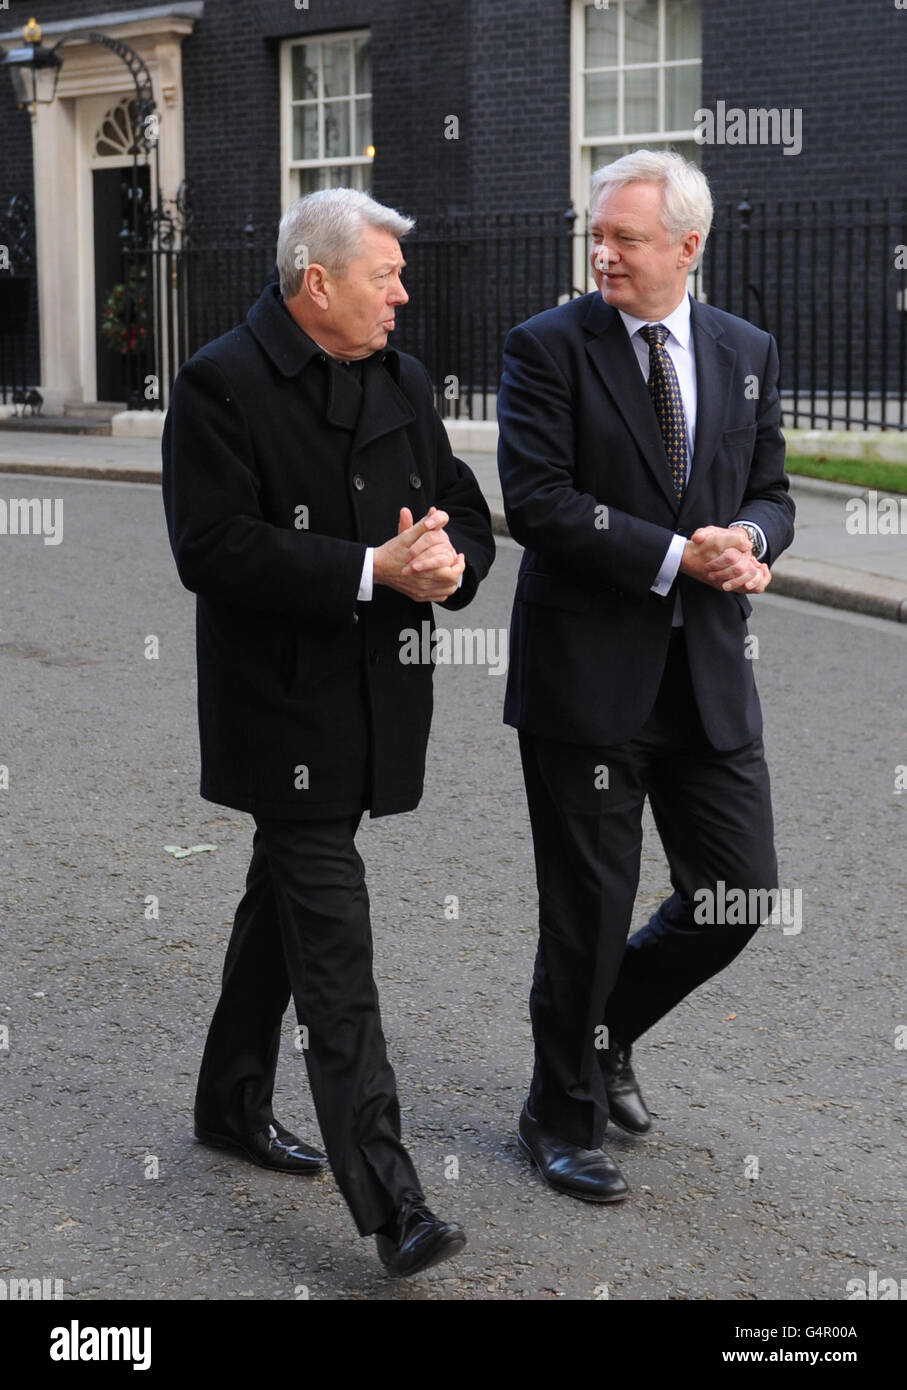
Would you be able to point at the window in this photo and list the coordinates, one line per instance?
(117, 133)
(326, 106)
(637, 80)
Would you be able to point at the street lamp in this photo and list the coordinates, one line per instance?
(34, 69)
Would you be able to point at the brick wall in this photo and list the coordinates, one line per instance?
(843, 64)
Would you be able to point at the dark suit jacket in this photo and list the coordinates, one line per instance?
(292, 670)
(578, 434)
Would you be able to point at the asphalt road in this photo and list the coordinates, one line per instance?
(790, 1056)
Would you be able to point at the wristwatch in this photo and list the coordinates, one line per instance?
(754, 538)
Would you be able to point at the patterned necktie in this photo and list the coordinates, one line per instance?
(664, 388)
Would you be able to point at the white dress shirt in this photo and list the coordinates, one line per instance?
(680, 349)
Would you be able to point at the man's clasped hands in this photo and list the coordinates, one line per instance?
(421, 562)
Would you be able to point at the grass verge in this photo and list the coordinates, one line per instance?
(876, 473)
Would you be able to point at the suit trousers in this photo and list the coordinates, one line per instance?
(303, 928)
(713, 813)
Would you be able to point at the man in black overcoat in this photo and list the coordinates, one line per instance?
(642, 468)
(316, 510)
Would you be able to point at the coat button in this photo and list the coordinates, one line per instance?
(415, 480)
(358, 482)
(373, 657)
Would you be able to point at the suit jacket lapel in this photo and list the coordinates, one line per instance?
(615, 361)
(714, 373)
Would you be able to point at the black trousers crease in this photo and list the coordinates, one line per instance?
(713, 813)
(302, 930)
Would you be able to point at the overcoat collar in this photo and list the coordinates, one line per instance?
(612, 354)
(278, 335)
(375, 408)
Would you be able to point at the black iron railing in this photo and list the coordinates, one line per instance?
(823, 277)
(470, 279)
(828, 279)
(17, 291)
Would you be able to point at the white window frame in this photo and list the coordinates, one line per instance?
(581, 145)
(287, 163)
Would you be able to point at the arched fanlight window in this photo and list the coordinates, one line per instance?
(116, 133)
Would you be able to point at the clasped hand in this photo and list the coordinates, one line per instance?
(722, 557)
(420, 560)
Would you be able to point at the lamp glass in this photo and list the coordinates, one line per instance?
(19, 63)
(46, 83)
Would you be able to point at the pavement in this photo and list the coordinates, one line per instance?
(827, 563)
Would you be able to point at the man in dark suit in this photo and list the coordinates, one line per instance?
(297, 450)
(642, 468)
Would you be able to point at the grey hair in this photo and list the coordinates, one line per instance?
(325, 228)
(687, 198)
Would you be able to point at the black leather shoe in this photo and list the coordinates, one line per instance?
(590, 1174)
(415, 1239)
(274, 1147)
(625, 1103)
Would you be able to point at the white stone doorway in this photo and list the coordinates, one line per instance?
(70, 201)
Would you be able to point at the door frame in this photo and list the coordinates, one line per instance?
(65, 252)
(90, 112)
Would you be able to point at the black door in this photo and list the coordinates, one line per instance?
(113, 213)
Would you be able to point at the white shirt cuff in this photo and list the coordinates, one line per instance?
(367, 581)
(668, 572)
(758, 529)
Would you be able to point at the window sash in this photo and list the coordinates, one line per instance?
(588, 151)
(621, 135)
(354, 103)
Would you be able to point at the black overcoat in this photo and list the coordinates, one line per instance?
(279, 470)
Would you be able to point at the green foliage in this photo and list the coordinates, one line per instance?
(124, 314)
